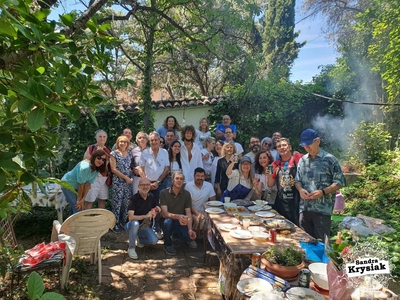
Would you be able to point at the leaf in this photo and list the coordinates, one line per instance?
(40, 70)
(7, 29)
(57, 108)
(88, 70)
(25, 105)
(27, 178)
(2, 180)
(67, 19)
(7, 155)
(10, 165)
(3, 90)
(35, 286)
(36, 119)
(52, 296)
(5, 138)
(75, 61)
(92, 26)
(59, 82)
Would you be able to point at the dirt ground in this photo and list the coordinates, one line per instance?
(153, 276)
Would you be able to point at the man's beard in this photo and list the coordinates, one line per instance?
(255, 149)
(188, 140)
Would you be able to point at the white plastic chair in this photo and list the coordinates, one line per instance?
(82, 232)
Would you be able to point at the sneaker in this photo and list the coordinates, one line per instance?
(132, 253)
(116, 229)
(192, 244)
(170, 250)
(159, 235)
(175, 241)
(138, 244)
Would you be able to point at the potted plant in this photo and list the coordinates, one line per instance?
(285, 261)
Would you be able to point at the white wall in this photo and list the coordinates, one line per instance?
(185, 115)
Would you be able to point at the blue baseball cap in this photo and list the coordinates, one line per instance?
(308, 136)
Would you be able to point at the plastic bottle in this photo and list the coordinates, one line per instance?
(339, 238)
(339, 202)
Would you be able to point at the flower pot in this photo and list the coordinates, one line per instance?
(282, 271)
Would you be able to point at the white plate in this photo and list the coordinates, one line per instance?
(257, 229)
(300, 293)
(214, 210)
(241, 234)
(265, 214)
(214, 203)
(252, 286)
(227, 227)
(230, 204)
(254, 208)
(266, 296)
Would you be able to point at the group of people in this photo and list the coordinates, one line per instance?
(160, 184)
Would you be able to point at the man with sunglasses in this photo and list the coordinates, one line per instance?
(142, 209)
(318, 177)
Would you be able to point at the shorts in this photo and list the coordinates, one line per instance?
(99, 189)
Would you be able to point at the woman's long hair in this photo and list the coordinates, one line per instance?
(259, 168)
(171, 155)
(95, 154)
(176, 127)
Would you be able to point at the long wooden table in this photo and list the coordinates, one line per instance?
(235, 254)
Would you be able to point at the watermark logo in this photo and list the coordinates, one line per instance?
(367, 266)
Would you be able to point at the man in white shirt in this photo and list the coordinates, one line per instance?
(154, 165)
(201, 191)
(190, 153)
(229, 139)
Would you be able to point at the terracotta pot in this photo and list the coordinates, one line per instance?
(282, 271)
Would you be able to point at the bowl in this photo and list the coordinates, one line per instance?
(319, 274)
(260, 236)
(257, 229)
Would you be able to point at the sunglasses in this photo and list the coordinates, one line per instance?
(100, 158)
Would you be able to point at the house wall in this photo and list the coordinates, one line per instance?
(185, 115)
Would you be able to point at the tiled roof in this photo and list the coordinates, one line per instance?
(165, 104)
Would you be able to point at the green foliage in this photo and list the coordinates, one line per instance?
(368, 142)
(287, 256)
(376, 194)
(76, 136)
(50, 75)
(36, 289)
(263, 107)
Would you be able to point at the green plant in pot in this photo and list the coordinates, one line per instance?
(285, 261)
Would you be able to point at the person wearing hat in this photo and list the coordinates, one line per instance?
(242, 183)
(318, 177)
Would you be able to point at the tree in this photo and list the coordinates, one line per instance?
(44, 73)
(279, 45)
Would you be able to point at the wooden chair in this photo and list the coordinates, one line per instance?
(82, 232)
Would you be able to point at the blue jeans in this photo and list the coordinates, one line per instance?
(71, 199)
(146, 236)
(172, 227)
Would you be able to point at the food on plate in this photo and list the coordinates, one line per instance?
(278, 224)
(285, 232)
(235, 209)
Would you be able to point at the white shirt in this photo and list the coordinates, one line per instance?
(207, 163)
(200, 196)
(196, 161)
(235, 178)
(214, 169)
(200, 137)
(154, 166)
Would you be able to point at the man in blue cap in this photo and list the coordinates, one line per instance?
(318, 177)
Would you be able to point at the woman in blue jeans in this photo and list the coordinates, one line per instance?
(81, 177)
(142, 209)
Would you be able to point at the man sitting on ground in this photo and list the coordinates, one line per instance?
(142, 208)
(176, 206)
(201, 192)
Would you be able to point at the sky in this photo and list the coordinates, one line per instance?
(316, 52)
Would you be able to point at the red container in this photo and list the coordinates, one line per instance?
(272, 235)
